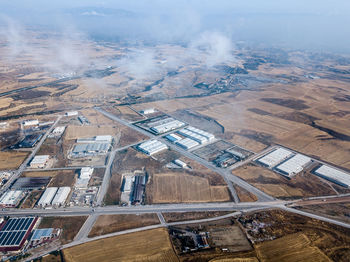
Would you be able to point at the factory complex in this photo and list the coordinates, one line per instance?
(190, 137)
(334, 175)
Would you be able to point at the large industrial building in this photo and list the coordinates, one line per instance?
(47, 197)
(165, 125)
(275, 157)
(197, 135)
(293, 165)
(61, 196)
(334, 175)
(83, 150)
(84, 177)
(39, 161)
(15, 232)
(92, 146)
(11, 198)
(187, 143)
(152, 147)
(138, 189)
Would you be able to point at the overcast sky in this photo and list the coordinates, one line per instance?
(312, 24)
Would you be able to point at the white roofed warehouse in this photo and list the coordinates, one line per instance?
(39, 161)
(275, 157)
(152, 147)
(334, 175)
(294, 165)
(47, 196)
(61, 196)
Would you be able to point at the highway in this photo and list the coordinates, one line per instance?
(23, 166)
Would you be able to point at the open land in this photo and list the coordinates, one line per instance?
(70, 226)
(106, 224)
(129, 247)
(11, 160)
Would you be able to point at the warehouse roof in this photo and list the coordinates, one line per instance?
(275, 157)
(334, 174)
(294, 165)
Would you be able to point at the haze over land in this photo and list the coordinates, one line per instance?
(163, 130)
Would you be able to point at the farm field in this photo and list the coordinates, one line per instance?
(184, 188)
(123, 248)
(11, 160)
(106, 224)
(331, 240)
(294, 247)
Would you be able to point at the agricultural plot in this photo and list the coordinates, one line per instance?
(106, 224)
(293, 248)
(11, 160)
(129, 247)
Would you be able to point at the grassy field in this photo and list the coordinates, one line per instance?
(152, 245)
(293, 248)
(70, 226)
(106, 224)
(11, 160)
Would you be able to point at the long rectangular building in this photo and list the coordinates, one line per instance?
(47, 197)
(334, 175)
(152, 147)
(167, 125)
(275, 157)
(187, 143)
(61, 196)
(293, 165)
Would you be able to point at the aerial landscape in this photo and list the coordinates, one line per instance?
(149, 130)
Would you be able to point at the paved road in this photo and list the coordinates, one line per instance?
(86, 228)
(106, 178)
(29, 158)
(83, 211)
(325, 219)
